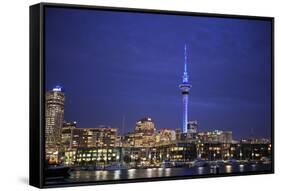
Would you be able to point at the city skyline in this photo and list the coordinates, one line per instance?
(142, 72)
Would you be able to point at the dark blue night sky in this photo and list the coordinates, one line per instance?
(116, 65)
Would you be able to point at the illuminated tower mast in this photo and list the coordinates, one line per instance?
(185, 87)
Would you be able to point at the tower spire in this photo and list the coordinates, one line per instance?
(185, 74)
(185, 67)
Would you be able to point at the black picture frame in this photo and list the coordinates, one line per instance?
(37, 94)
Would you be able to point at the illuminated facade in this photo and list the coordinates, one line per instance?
(215, 136)
(54, 121)
(143, 136)
(185, 88)
(67, 135)
(97, 157)
(96, 148)
(145, 126)
(102, 136)
(77, 142)
(171, 155)
(192, 126)
(165, 136)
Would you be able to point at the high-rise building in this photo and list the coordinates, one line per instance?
(67, 135)
(143, 136)
(145, 126)
(54, 114)
(78, 138)
(102, 136)
(185, 88)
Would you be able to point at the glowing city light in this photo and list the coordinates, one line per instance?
(57, 89)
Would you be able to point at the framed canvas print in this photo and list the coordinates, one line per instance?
(126, 95)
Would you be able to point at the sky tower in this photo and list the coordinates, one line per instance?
(185, 87)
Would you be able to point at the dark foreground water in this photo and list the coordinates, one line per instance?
(101, 175)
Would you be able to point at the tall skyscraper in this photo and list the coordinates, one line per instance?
(54, 115)
(185, 88)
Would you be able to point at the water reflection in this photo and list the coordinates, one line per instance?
(82, 175)
(254, 166)
(168, 171)
(200, 170)
(131, 173)
(149, 172)
(117, 174)
(160, 172)
(228, 169)
(241, 167)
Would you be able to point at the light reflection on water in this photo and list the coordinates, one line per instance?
(131, 173)
(146, 173)
(201, 170)
(254, 166)
(228, 169)
(99, 175)
(168, 171)
(117, 174)
(241, 167)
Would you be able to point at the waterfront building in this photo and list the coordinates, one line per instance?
(182, 152)
(97, 157)
(54, 115)
(76, 139)
(133, 139)
(143, 136)
(158, 155)
(118, 141)
(185, 88)
(165, 136)
(138, 140)
(211, 151)
(256, 141)
(79, 138)
(239, 151)
(67, 135)
(69, 157)
(252, 151)
(102, 136)
(145, 126)
(137, 156)
(215, 136)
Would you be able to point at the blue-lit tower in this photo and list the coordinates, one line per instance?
(185, 88)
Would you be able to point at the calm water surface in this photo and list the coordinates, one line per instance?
(101, 175)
